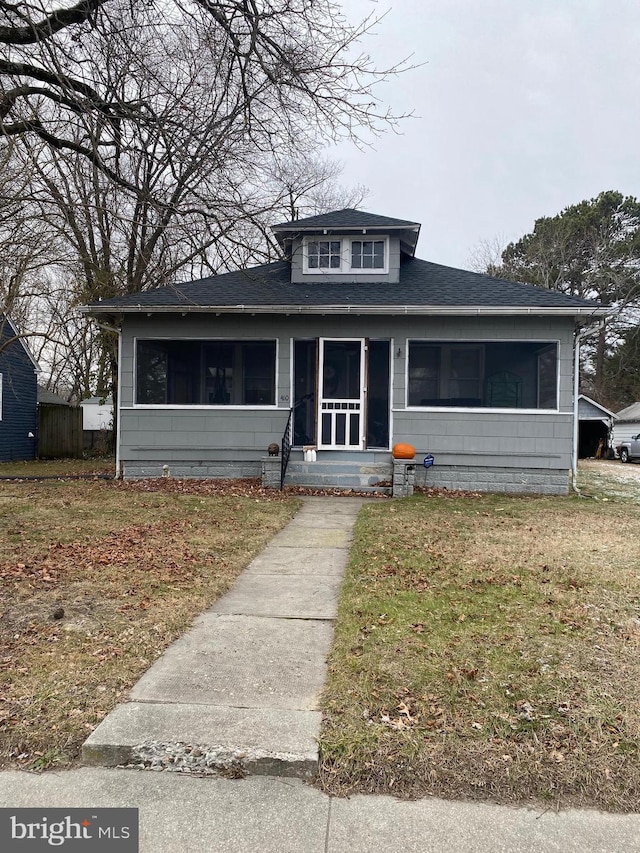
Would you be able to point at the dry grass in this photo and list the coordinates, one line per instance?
(101, 466)
(96, 579)
(488, 647)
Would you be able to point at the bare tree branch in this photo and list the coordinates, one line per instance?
(46, 27)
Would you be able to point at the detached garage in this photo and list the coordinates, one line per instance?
(627, 424)
(594, 429)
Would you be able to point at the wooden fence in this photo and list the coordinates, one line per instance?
(59, 432)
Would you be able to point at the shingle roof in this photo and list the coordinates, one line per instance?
(631, 413)
(422, 285)
(346, 218)
(50, 398)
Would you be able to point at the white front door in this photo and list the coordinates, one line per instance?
(341, 394)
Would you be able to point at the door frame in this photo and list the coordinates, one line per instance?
(341, 405)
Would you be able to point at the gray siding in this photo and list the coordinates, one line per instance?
(151, 434)
(590, 411)
(522, 447)
(392, 277)
(538, 441)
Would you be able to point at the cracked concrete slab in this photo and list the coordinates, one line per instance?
(321, 521)
(334, 537)
(283, 596)
(242, 661)
(295, 560)
(267, 742)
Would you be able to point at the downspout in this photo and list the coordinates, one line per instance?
(118, 414)
(576, 387)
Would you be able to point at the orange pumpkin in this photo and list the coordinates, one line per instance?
(403, 451)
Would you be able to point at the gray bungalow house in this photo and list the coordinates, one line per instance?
(349, 346)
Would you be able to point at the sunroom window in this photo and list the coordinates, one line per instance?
(474, 374)
(209, 373)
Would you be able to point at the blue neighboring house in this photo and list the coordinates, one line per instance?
(18, 396)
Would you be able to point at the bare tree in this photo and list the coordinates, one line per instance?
(288, 70)
(27, 248)
(309, 184)
(486, 256)
(162, 139)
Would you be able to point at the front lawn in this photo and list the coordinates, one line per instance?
(96, 579)
(487, 647)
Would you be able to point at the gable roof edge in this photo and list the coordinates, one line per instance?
(16, 336)
(597, 405)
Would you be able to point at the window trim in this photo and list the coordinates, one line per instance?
(345, 267)
(487, 409)
(1, 395)
(182, 407)
(324, 239)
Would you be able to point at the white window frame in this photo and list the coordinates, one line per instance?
(324, 239)
(227, 407)
(476, 341)
(345, 267)
(365, 238)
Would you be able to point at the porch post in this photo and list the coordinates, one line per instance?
(404, 475)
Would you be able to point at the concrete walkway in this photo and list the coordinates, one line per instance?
(240, 690)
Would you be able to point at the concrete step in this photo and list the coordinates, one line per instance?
(207, 740)
(363, 476)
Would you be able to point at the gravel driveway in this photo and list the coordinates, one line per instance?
(613, 469)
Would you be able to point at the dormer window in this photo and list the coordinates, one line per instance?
(324, 254)
(367, 254)
(345, 255)
(350, 246)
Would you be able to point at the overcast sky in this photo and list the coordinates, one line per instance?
(522, 108)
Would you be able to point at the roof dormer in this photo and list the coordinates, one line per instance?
(347, 245)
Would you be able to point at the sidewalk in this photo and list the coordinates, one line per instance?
(240, 690)
(276, 815)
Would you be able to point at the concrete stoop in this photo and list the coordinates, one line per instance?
(375, 477)
(238, 693)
